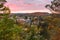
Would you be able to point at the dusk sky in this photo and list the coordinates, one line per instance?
(27, 5)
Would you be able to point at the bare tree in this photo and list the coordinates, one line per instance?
(54, 7)
(4, 9)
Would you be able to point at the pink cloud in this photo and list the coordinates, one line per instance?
(19, 5)
(12, 7)
(15, 7)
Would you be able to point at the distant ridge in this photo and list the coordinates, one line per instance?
(39, 13)
(31, 14)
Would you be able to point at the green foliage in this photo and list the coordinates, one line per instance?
(8, 28)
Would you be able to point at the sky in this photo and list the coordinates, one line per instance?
(27, 5)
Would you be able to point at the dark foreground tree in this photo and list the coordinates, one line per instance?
(4, 9)
(54, 7)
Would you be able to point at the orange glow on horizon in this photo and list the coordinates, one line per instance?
(30, 11)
